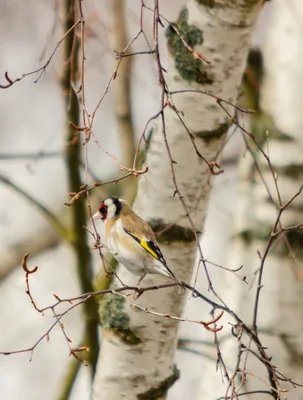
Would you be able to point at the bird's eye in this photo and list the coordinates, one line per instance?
(103, 210)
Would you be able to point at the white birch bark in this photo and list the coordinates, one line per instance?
(281, 305)
(147, 368)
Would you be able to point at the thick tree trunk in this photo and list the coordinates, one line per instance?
(138, 349)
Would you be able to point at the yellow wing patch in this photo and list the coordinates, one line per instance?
(147, 247)
(153, 250)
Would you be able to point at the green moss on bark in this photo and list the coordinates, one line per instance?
(189, 69)
(114, 319)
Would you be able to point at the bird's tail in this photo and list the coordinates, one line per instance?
(166, 271)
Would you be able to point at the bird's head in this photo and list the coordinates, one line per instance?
(109, 208)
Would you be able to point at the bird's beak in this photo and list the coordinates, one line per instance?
(97, 215)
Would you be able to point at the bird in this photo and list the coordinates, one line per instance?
(131, 240)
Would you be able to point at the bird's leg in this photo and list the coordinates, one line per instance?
(142, 277)
(138, 293)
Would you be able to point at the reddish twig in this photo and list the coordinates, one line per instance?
(205, 324)
(76, 196)
(27, 273)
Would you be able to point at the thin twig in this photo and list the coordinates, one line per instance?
(205, 324)
(42, 69)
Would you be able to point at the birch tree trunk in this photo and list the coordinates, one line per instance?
(137, 353)
(280, 312)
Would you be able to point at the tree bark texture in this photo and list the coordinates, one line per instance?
(139, 363)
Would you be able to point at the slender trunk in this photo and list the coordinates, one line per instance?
(73, 162)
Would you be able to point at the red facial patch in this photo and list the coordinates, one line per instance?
(103, 211)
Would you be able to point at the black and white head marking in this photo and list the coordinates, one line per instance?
(110, 208)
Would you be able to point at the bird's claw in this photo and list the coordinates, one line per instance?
(138, 293)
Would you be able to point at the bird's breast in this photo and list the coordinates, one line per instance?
(126, 250)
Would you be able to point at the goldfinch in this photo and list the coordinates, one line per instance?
(131, 240)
